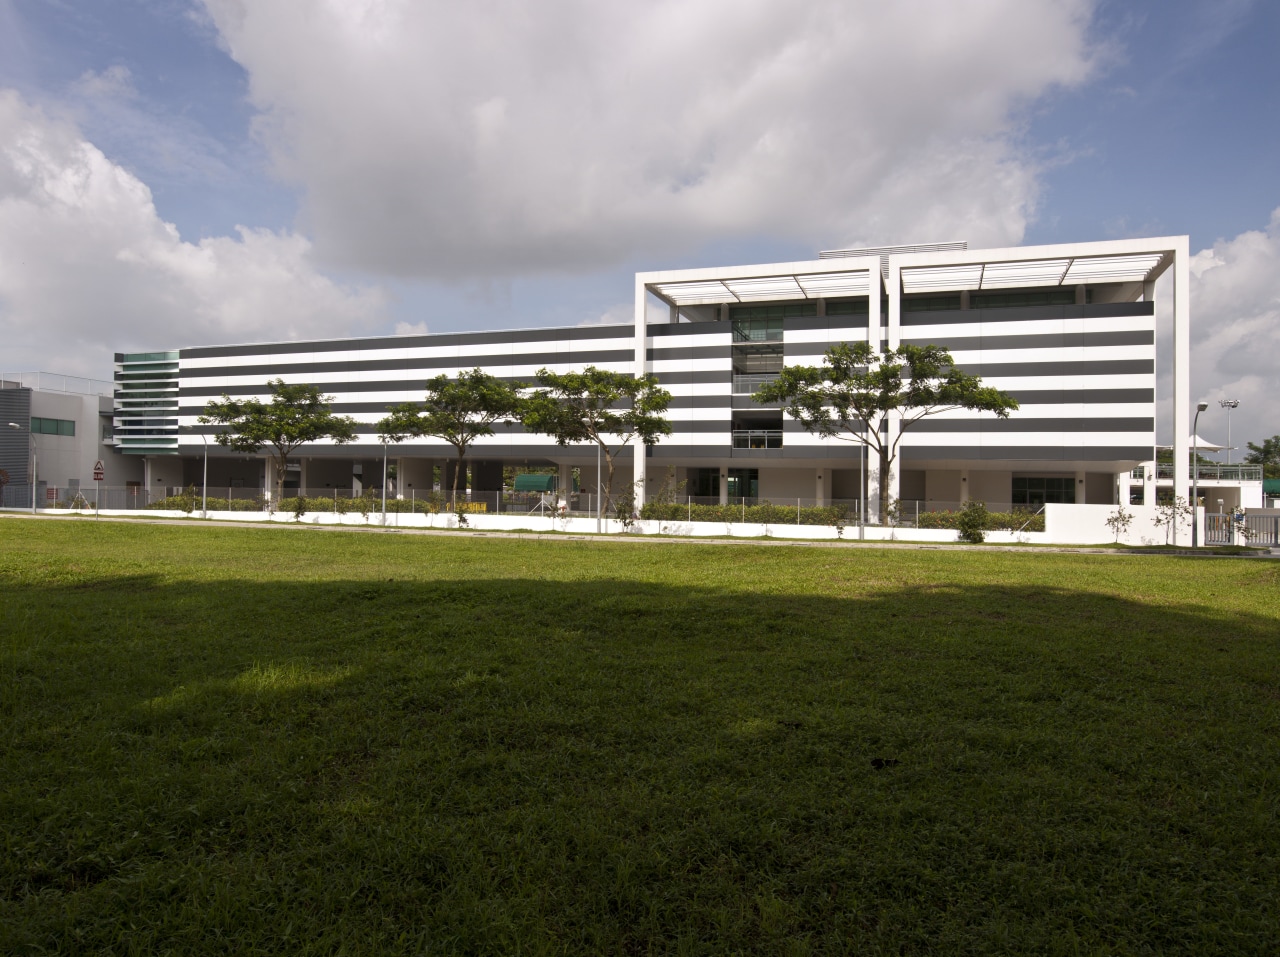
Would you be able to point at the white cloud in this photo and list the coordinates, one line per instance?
(447, 140)
(1235, 331)
(114, 81)
(87, 267)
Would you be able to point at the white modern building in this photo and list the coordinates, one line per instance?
(1069, 330)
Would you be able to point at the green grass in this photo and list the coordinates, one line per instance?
(253, 741)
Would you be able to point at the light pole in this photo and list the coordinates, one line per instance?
(862, 485)
(204, 482)
(598, 509)
(1229, 404)
(35, 461)
(384, 483)
(1195, 474)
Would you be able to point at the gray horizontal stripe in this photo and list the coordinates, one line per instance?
(698, 377)
(269, 371)
(688, 329)
(1106, 310)
(691, 352)
(825, 323)
(448, 339)
(995, 426)
(1049, 340)
(1050, 453)
(703, 402)
(1086, 367)
(1059, 368)
(1084, 396)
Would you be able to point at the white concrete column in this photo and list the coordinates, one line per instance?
(1080, 487)
(641, 368)
(964, 486)
(822, 487)
(268, 479)
(893, 332)
(565, 481)
(724, 485)
(302, 475)
(1181, 371)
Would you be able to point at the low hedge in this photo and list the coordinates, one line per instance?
(996, 521)
(764, 513)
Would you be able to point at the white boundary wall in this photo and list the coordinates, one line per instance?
(1064, 525)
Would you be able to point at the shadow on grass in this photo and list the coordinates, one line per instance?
(616, 766)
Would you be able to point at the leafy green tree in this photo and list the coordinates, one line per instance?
(296, 415)
(1267, 455)
(856, 387)
(609, 409)
(459, 411)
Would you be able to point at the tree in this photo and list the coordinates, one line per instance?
(609, 409)
(296, 415)
(1267, 455)
(855, 388)
(459, 411)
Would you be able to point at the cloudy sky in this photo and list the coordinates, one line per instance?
(180, 172)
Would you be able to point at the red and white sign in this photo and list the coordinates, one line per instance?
(98, 471)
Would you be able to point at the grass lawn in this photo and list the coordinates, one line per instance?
(252, 741)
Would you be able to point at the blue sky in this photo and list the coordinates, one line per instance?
(461, 176)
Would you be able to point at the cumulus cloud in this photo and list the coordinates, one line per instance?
(446, 140)
(1235, 331)
(87, 266)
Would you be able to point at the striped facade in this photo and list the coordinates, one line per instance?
(1069, 331)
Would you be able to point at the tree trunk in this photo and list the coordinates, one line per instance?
(608, 485)
(282, 463)
(457, 470)
(884, 486)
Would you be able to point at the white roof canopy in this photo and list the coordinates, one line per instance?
(831, 285)
(1030, 272)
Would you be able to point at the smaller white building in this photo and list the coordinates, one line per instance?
(66, 422)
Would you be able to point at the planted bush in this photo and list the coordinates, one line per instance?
(763, 513)
(995, 521)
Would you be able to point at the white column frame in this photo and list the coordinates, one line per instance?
(1181, 374)
(639, 472)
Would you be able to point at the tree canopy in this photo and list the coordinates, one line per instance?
(609, 409)
(1267, 455)
(459, 411)
(856, 387)
(297, 414)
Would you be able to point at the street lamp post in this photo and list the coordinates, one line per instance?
(384, 483)
(1229, 404)
(204, 481)
(1195, 474)
(35, 461)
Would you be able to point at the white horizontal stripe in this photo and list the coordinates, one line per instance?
(691, 342)
(825, 336)
(691, 365)
(1072, 382)
(462, 352)
(1055, 354)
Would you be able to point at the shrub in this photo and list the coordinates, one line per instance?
(972, 522)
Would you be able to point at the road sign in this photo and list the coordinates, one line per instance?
(98, 471)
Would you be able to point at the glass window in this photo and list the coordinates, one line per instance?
(1008, 300)
(744, 483)
(43, 426)
(930, 303)
(1037, 490)
(787, 310)
(847, 307)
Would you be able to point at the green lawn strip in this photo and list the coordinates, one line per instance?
(235, 740)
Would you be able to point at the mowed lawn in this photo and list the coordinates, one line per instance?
(259, 741)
